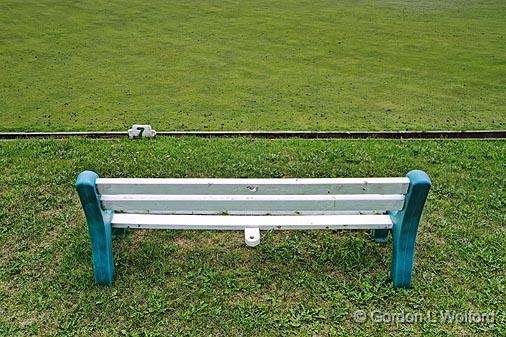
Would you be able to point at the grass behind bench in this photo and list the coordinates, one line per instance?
(252, 65)
(210, 283)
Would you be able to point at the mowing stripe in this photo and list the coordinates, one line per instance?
(468, 134)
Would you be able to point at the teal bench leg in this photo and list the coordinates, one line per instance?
(405, 226)
(99, 228)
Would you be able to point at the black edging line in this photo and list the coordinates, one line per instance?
(470, 134)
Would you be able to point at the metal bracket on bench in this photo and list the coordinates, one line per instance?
(252, 236)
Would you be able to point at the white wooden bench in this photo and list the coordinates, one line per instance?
(251, 205)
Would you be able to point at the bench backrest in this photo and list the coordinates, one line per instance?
(252, 196)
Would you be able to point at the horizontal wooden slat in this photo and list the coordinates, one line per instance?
(225, 222)
(240, 212)
(269, 204)
(308, 186)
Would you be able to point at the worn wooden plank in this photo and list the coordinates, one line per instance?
(232, 186)
(226, 222)
(251, 203)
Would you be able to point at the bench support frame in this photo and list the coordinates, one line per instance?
(380, 235)
(405, 227)
(99, 227)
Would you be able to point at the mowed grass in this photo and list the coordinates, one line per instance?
(202, 283)
(252, 65)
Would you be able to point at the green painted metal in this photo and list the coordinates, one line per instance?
(119, 233)
(99, 228)
(405, 226)
(380, 235)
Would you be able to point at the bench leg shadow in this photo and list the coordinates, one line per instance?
(120, 233)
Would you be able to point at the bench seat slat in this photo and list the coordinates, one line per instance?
(229, 186)
(226, 222)
(259, 213)
(146, 203)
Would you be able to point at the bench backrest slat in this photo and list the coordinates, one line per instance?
(195, 204)
(204, 186)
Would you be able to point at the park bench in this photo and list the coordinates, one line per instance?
(112, 205)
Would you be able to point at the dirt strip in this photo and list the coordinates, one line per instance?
(468, 134)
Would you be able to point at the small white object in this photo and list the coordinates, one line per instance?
(141, 131)
(252, 236)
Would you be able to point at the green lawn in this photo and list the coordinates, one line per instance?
(209, 283)
(250, 65)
